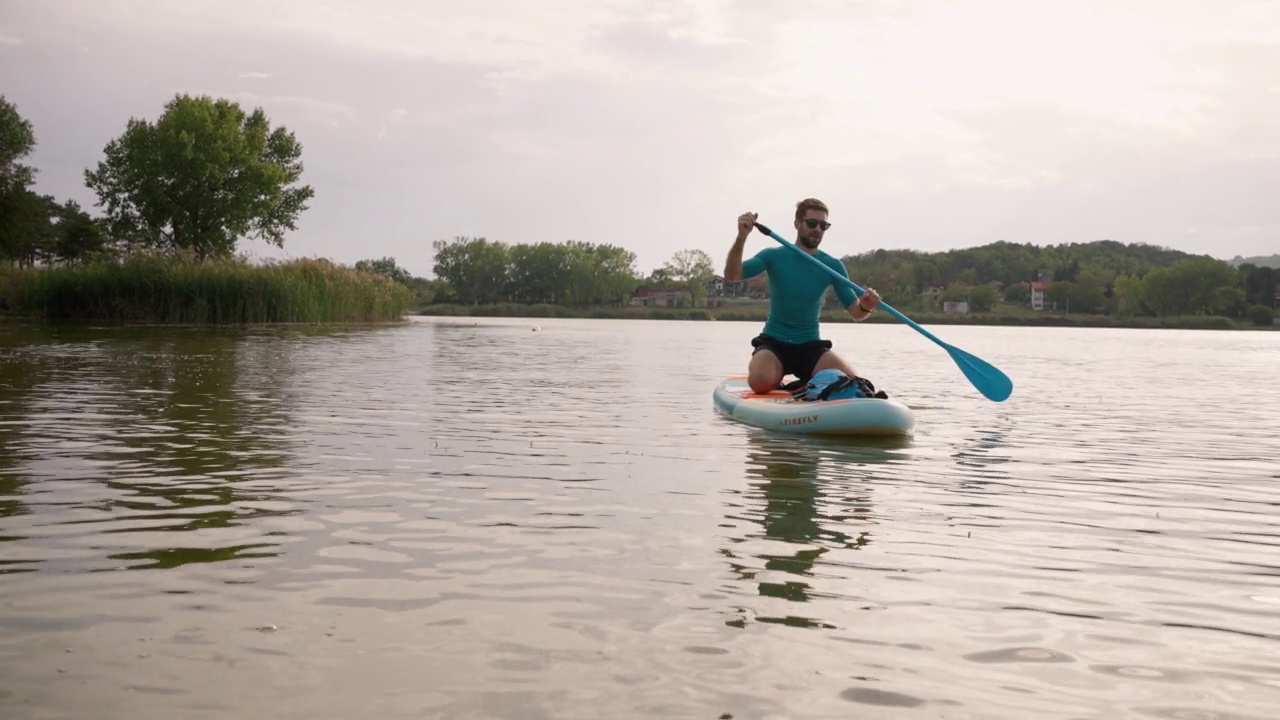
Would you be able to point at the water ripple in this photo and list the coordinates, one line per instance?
(469, 519)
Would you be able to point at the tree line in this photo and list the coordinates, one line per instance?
(574, 274)
(1104, 277)
(208, 173)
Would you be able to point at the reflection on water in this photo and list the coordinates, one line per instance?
(470, 519)
(158, 432)
(810, 500)
(20, 376)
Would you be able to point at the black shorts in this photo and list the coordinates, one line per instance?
(797, 358)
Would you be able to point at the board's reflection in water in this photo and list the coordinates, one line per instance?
(806, 502)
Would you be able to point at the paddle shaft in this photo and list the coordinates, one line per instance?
(888, 308)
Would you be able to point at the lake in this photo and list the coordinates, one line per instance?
(533, 518)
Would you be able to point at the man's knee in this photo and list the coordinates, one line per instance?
(763, 383)
(765, 372)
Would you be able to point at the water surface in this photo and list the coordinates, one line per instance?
(467, 518)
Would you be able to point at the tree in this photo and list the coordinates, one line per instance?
(1126, 295)
(387, 267)
(27, 232)
(1260, 283)
(17, 140)
(660, 277)
(694, 268)
(476, 269)
(22, 215)
(537, 273)
(77, 235)
(204, 175)
(981, 298)
(1228, 302)
(617, 272)
(1188, 287)
(690, 265)
(1088, 298)
(1018, 294)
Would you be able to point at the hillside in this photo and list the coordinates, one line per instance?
(1270, 261)
(1009, 264)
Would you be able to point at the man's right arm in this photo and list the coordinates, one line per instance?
(745, 269)
(733, 264)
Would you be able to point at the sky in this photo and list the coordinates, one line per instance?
(652, 124)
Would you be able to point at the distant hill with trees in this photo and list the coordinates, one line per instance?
(1103, 277)
(997, 280)
(1271, 261)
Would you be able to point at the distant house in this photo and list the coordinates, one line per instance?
(655, 297)
(718, 287)
(715, 286)
(1037, 294)
(959, 307)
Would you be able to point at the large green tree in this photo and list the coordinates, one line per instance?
(202, 176)
(693, 268)
(76, 235)
(17, 140)
(21, 218)
(1190, 287)
(476, 268)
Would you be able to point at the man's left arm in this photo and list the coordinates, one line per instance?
(859, 308)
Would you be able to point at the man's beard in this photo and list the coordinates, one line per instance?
(810, 242)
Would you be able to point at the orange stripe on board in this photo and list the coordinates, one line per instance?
(748, 395)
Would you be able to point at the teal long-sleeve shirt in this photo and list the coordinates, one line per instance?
(796, 289)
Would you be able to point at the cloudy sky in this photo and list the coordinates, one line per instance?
(652, 123)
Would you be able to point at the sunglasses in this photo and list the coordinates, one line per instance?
(815, 223)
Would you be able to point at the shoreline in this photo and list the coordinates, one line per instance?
(741, 313)
(829, 317)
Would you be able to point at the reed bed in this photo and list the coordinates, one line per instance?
(180, 290)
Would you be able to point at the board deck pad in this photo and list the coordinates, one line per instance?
(777, 410)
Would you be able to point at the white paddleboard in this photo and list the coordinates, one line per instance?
(778, 411)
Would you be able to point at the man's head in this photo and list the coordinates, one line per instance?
(811, 222)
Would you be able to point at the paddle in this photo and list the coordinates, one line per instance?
(989, 380)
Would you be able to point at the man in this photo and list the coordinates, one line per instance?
(790, 343)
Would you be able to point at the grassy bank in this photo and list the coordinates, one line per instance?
(167, 289)
(756, 312)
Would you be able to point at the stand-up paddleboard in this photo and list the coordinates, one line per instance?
(777, 410)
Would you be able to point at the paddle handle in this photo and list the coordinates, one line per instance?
(888, 308)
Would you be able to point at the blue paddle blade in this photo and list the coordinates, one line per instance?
(987, 378)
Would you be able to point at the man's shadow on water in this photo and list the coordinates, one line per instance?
(810, 493)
